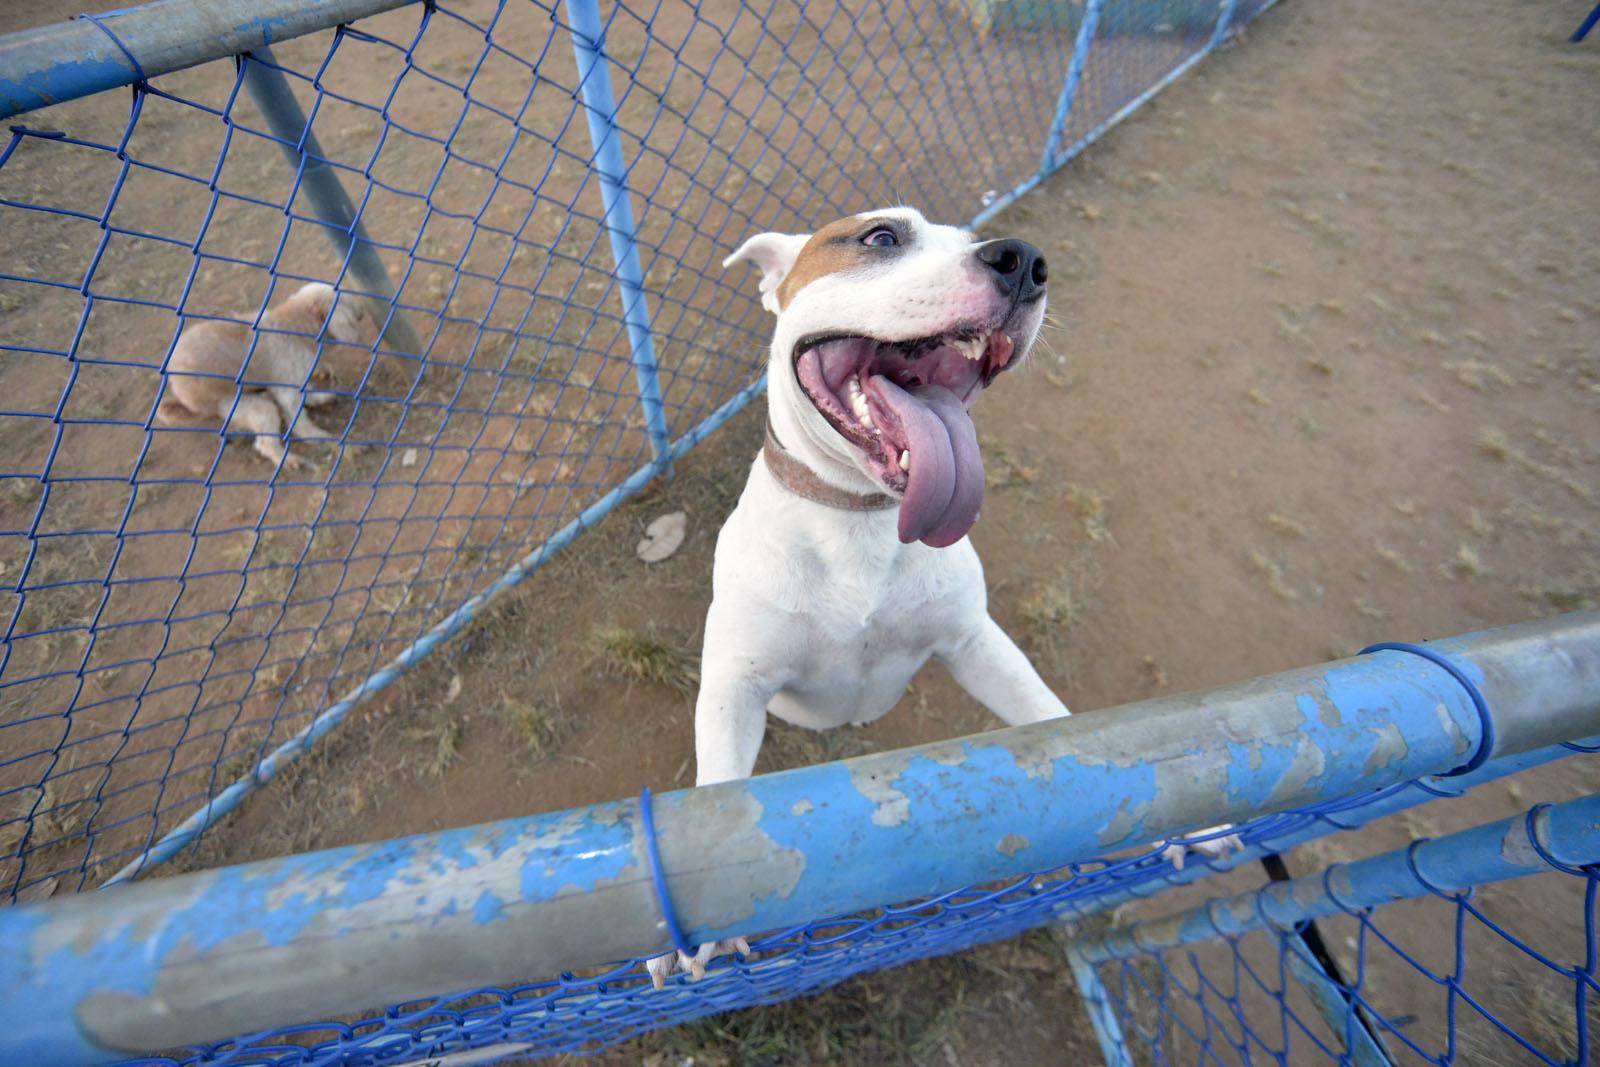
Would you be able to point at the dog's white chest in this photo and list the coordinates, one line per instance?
(843, 614)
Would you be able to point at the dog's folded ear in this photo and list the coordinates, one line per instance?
(774, 253)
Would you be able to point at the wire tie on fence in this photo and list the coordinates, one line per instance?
(659, 877)
(1486, 736)
(1530, 826)
(137, 67)
(1427, 883)
(28, 131)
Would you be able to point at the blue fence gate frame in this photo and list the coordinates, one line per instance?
(537, 240)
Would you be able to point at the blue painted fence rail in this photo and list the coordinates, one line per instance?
(201, 957)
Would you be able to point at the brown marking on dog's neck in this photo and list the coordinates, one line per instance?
(829, 251)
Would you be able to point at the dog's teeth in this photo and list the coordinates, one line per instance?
(858, 404)
(905, 460)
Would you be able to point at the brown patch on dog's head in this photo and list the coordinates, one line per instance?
(834, 249)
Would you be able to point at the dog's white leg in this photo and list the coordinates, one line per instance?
(301, 428)
(990, 667)
(256, 413)
(318, 399)
(1217, 845)
(730, 719)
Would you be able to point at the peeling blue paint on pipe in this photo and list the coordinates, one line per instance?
(206, 956)
(63, 61)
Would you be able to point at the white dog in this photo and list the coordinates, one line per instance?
(845, 566)
(203, 375)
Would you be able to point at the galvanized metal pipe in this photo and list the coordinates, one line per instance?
(63, 61)
(588, 32)
(1069, 85)
(1568, 833)
(341, 222)
(208, 955)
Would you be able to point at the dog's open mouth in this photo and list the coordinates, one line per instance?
(904, 405)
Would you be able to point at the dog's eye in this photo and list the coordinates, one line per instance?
(882, 237)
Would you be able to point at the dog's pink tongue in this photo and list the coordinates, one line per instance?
(945, 487)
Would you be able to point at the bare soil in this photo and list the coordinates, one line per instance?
(1326, 372)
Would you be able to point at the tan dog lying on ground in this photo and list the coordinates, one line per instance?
(203, 378)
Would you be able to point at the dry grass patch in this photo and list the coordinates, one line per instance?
(645, 658)
(437, 742)
(1562, 598)
(1285, 525)
(1090, 506)
(1480, 375)
(1367, 610)
(539, 728)
(1392, 558)
(1467, 563)
(1495, 444)
(1272, 574)
(1005, 468)
(1054, 607)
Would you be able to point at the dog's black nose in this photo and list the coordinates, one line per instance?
(1019, 268)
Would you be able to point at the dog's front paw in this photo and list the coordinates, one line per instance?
(1214, 842)
(662, 967)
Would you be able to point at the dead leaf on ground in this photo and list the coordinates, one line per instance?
(662, 537)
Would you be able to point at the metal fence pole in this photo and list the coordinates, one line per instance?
(599, 107)
(1224, 23)
(340, 220)
(1069, 87)
(1097, 1004)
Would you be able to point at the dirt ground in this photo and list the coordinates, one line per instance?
(1326, 372)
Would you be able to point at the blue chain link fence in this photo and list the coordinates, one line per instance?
(530, 200)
